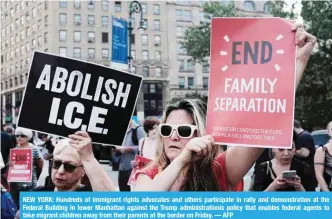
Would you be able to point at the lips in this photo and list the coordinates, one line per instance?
(60, 180)
(174, 147)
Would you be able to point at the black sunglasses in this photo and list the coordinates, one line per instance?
(20, 136)
(69, 168)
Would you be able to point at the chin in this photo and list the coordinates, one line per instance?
(172, 154)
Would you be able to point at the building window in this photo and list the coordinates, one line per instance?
(62, 35)
(145, 70)
(91, 53)
(104, 21)
(180, 49)
(144, 8)
(156, 9)
(91, 4)
(28, 31)
(145, 55)
(133, 54)
(40, 8)
(146, 102)
(10, 83)
(156, 24)
(63, 18)
(187, 15)
(181, 82)
(45, 37)
(117, 6)
(205, 67)
(62, 3)
(77, 3)
(63, 51)
(39, 40)
(91, 37)
(153, 89)
(77, 36)
(77, 52)
(158, 55)
(91, 20)
(104, 37)
(153, 104)
(249, 6)
(34, 27)
(22, 49)
(157, 40)
(267, 7)
(105, 53)
(21, 79)
(77, 19)
(145, 23)
(34, 12)
(45, 5)
(104, 5)
(179, 31)
(179, 14)
(205, 82)
(191, 82)
(40, 24)
(22, 20)
(34, 43)
(145, 40)
(158, 72)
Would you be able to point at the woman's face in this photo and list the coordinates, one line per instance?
(174, 144)
(21, 139)
(329, 130)
(284, 156)
(153, 132)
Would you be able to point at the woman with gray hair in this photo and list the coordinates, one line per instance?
(23, 136)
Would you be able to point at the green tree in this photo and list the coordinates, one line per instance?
(314, 95)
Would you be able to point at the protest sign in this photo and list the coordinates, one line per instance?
(65, 95)
(141, 163)
(252, 82)
(21, 170)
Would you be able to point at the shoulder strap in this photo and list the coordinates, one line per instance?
(134, 136)
(142, 147)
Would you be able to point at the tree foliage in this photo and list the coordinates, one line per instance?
(314, 95)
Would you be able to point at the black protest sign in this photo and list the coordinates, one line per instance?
(65, 95)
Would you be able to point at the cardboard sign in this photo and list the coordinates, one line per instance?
(142, 162)
(252, 82)
(21, 170)
(65, 95)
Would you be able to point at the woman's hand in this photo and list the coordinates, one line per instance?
(296, 183)
(134, 164)
(278, 183)
(195, 149)
(82, 142)
(305, 42)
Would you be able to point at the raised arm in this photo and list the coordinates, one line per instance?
(99, 180)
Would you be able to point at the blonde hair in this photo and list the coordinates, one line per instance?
(200, 176)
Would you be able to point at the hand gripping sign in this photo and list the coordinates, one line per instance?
(252, 82)
(65, 95)
(21, 168)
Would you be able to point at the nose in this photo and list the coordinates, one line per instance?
(61, 170)
(174, 136)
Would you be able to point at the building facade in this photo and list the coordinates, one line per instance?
(82, 30)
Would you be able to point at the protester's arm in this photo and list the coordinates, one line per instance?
(303, 152)
(306, 43)
(99, 180)
(161, 182)
(39, 161)
(319, 168)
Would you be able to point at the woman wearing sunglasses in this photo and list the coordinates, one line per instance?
(188, 160)
(23, 136)
(72, 159)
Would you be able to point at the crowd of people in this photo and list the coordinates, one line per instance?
(183, 157)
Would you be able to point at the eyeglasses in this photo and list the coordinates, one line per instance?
(183, 131)
(20, 136)
(69, 168)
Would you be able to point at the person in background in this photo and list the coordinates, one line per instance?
(187, 158)
(23, 136)
(148, 145)
(269, 177)
(305, 147)
(128, 152)
(48, 146)
(6, 145)
(74, 158)
(11, 132)
(323, 163)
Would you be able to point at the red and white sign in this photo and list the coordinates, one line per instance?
(252, 82)
(142, 162)
(21, 170)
